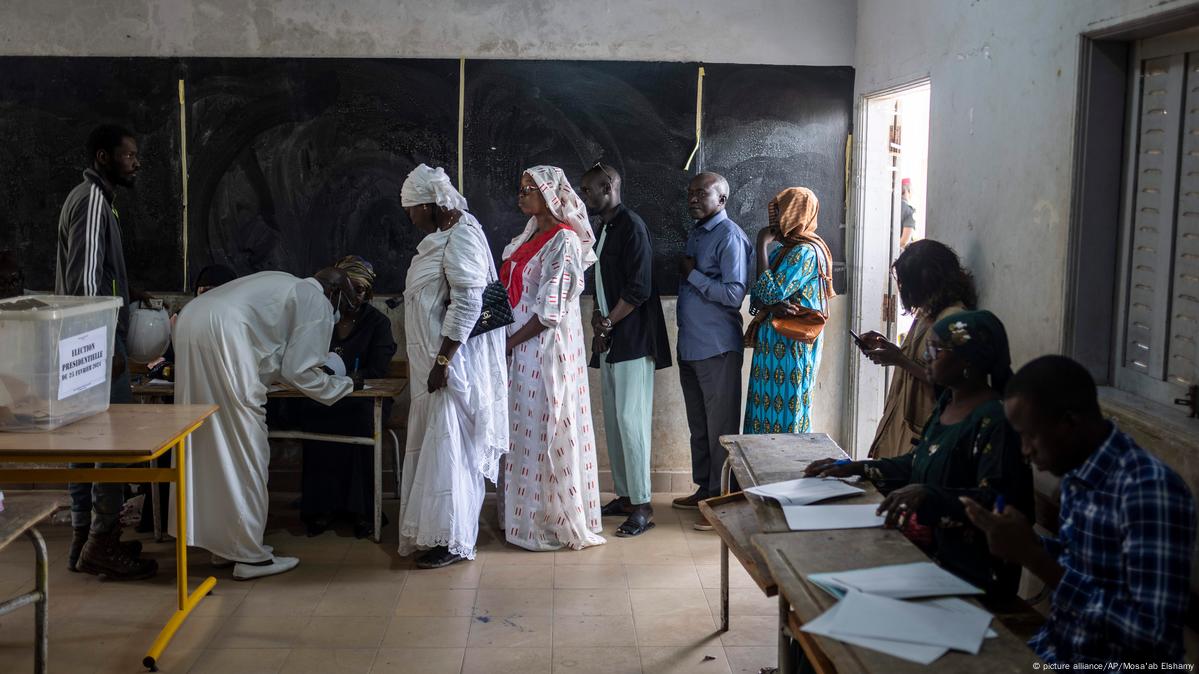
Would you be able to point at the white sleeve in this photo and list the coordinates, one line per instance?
(561, 281)
(308, 345)
(467, 269)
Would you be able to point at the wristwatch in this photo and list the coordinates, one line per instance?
(442, 360)
(605, 326)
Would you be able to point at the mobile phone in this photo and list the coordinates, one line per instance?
(857, 340)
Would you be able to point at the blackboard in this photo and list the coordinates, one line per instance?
(47, 108)
(295, 162)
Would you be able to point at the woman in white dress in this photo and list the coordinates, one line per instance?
(550, 491)
(458, 421)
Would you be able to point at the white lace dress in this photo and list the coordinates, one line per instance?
(457, 434)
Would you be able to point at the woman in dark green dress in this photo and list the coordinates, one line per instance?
(967, 449)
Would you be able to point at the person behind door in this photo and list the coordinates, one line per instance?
(711, 346)
(1120, 564)
(91, 261)
(797, 273)
(232, 344)
(630, 344)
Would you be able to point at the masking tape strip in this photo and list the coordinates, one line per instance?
(183, 166)
(699, 116)
(461, 117)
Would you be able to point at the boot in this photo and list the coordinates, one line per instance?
(105, 555)
(79, 539)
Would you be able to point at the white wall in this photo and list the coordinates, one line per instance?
(790, 32)
(1004, 79)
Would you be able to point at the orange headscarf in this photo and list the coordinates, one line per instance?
(795, 212)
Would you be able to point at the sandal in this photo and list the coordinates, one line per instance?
(638, 523)
(617, 506)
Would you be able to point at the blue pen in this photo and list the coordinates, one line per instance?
(355, 364)
(842, 462)
(999, 504)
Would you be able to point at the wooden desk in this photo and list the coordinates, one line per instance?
(123, 434)
(20, 516)
(379, 390)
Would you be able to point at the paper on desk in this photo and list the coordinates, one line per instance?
(821, 517)
(872, 616)
(919, 653)
(804, 490)
(960, 606)
(158, 382)
(899, 581)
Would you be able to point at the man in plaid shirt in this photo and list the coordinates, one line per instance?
(1120, 565)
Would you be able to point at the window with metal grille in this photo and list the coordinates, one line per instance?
(1158, 330)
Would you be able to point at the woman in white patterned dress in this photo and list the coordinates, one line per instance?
(550, 494)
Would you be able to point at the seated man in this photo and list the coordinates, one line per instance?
(1120, 565)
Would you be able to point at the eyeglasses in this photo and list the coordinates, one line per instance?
(526, 190)
(603, 169)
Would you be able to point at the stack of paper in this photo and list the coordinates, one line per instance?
(805, 490)
(820, 517)
(898, 581)
(916, 632)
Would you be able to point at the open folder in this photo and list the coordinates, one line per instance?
(804, 490)
(823, 517)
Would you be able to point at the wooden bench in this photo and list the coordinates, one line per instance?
(21, 514)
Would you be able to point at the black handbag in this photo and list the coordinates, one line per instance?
(496, 313)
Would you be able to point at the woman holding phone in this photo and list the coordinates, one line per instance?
(932, 285)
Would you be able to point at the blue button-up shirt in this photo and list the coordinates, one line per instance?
(709, 310)
(1127, 527)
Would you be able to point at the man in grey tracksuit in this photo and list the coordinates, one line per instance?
(91, 262)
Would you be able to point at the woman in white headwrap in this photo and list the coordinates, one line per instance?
(458, 422)
(550, 492)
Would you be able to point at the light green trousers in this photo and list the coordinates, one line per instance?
(628, 416)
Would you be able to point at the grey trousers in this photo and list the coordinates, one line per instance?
(712, 394)
(105, 499)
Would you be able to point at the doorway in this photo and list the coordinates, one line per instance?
(890, 204)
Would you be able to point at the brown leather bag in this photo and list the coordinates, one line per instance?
(804, 327)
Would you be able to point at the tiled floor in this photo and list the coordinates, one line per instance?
(646, 604)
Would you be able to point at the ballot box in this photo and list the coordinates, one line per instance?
(55, 359)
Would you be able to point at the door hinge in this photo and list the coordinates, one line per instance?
(1191, 402)
(889, 309)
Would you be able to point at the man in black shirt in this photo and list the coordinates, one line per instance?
(630, 344)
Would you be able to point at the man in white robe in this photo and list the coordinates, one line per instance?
(231, 344)
(458, 420)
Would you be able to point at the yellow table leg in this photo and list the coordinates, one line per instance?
(186, 602)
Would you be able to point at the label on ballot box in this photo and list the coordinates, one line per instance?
(83, 362)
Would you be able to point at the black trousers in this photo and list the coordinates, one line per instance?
(712, 395)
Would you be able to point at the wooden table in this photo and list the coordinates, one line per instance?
(20, 516)
(379, 390)
(124, 434)
(780, 560)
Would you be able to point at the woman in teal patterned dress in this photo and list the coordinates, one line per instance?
(796, 273)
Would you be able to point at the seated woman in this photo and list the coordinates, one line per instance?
(967, 449)
(932, 285)
(338, 478)
(796, 274)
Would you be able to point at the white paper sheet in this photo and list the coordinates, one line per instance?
(899, 581)
(82, 362)
(960, 606)
(875, 617)
(805, 490)
(822, 517)
(918, 653)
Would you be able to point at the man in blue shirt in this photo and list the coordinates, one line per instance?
(714, 280)
(1120, 564)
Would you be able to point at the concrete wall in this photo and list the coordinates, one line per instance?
(794, 32)
(790, 32)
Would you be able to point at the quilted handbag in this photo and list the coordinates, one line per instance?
(496, 313)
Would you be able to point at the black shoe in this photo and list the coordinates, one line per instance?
(365, 528)
(317, 524)
(437, 558)
(79, 538)
(104, 555)
(691, 502)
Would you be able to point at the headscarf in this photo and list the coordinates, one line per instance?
(430, 186)
(981, 340)
(562, 201)
(795, 212)
(214, 275)
(358, 269)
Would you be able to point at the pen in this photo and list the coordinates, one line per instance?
(355, 364)
(842, 462)
(999, 504)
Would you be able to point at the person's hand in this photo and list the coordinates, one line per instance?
(768, 235)
(509, 346)
(138, 295)
(439, 377)
(359, 381)
(830, 468)
(597, 320)
(882, 351)
(686, 266)
(784, 309)
(901, 503)
(1010, 536)
(599, 344)
(872, 339)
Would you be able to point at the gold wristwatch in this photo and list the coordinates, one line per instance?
(442, 360)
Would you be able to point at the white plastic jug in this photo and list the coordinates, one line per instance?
(149, 331)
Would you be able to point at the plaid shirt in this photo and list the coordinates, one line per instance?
(1127, 530)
